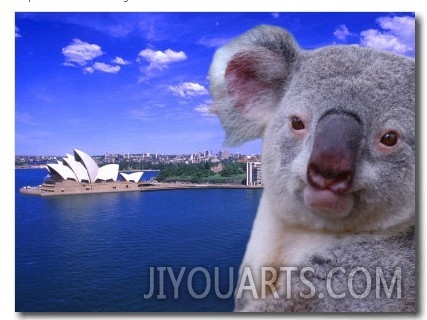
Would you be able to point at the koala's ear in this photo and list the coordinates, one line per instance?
(248, 78)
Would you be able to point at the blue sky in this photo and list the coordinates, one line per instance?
(137, 82)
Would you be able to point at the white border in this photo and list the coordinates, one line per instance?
(7, 25)
(217, 5)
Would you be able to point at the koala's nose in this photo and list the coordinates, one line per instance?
(332, 163)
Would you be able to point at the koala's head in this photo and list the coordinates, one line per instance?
(338, 128)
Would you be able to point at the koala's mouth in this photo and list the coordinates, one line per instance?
(327, 203)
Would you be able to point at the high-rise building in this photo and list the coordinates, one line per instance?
(224, 154)
(253, 173)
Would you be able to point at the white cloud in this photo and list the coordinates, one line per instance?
(341, 32)
(99, 66)
(188, 89)
(397, 35)
(17, 34)
(401, 26)
(160, 59)
(80, 52)
(203, 109)
(88, 70)
(69, 64)
(385, 41)
(120, 61)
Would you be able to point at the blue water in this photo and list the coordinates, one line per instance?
(94, 252)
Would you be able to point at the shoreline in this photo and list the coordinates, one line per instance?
(42, 166)
(73, 188)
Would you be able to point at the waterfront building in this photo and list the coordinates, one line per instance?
(80, 167)
(253, 173)
(79, 174)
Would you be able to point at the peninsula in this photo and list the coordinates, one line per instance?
(79, 174)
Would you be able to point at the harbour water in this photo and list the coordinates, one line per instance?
(94, 252)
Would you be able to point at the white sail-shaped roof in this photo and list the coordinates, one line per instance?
(89, 164)
(77, 167)
(108, 172)
(82, 168)
(64, 171)
(135, 176)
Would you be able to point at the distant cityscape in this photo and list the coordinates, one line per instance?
(198, 166)
(142, 161)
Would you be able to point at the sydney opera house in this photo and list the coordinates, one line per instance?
(82, 168)
(79, 173)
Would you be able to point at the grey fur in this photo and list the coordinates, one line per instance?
(379, 88)
(351, 253)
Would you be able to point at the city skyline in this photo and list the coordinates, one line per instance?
(123, 153)
(138, 82)
(223, 154)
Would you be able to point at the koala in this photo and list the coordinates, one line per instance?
(335, 227)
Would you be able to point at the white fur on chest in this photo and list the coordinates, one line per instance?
(273, 244)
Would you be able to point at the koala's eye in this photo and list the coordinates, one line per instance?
(297, 123)
(390, 139)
